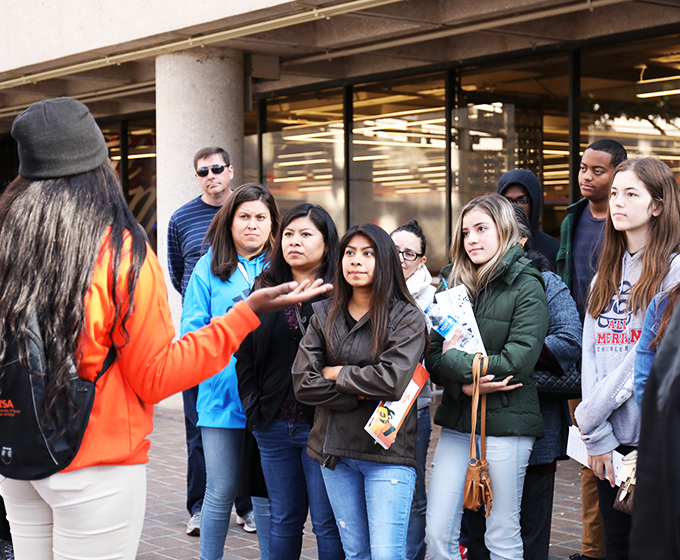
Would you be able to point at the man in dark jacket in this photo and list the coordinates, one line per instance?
(522, 187)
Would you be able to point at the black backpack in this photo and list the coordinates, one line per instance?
(31, 449)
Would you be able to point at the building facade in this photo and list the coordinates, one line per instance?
(380, 110)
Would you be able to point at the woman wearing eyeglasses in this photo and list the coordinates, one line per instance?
(240, 236)
(411, 245)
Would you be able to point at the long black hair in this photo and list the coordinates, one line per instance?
(277, 270)
(388, 283)
(225, 256)
(51, 235)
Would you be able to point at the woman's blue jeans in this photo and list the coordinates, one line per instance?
(372, 505)
(222, 450)
(508, 458)
(294, 485)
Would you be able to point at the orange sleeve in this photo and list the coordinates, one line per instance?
(155, 365)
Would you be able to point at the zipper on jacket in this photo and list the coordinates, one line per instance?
(325, 439)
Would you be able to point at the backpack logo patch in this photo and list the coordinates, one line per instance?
(7, 408)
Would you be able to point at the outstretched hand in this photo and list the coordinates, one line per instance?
(283, 296)
(488, 385)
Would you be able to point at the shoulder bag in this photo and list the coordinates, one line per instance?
(478, 491)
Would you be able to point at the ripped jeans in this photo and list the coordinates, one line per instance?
(372, 504)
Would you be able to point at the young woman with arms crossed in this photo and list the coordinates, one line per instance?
(508, 299)
(306, 248)
(639, 259)
(361, 347)
(240, 236)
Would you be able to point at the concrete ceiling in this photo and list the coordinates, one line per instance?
(402, 35)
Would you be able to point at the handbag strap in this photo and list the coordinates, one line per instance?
(478, 362)
(485, 366)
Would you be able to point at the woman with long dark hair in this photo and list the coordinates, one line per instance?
(362, 346)
(72, 255)
(240, 236)
(306, 248)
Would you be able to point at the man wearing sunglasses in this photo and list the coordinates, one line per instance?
(186, 231)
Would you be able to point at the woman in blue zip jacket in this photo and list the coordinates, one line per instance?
(240, 235)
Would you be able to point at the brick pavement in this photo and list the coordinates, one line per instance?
(164, 534)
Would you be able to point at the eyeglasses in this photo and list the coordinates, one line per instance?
(521, 201)
(409, 255)
(216, 169)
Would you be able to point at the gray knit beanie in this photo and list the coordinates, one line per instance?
(57, 138)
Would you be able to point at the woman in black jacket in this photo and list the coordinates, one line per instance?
(362, 347)
(305, 248)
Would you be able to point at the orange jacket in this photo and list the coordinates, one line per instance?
(151, 366)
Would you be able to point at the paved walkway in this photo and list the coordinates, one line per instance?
(164, 533)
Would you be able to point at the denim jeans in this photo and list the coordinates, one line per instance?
(508, 458)
(195, 458)
(222, 449)
(535, 519)
(295, 484)
(372, 505)
(262, 518)
(415, 540)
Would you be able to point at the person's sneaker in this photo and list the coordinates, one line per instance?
(247, 521)
(463, 551)
(194, 525)
(6, 550)
(579, 556)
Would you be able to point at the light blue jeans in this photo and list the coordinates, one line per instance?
(508, 458)
(222, 450)
(372, 505)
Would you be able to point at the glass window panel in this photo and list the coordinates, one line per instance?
(141, 168)
(631, 93)
(303, 152)
(398, 169)
(533, 95)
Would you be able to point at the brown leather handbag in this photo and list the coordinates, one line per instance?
(477, 491)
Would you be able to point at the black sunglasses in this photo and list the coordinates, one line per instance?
(216, 169)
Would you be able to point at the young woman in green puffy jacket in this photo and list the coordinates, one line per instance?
(508, 298)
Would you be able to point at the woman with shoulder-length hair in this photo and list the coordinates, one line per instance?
(240, 235)
(508, 298)
(74, 260)
(362, 346)
(305, 248)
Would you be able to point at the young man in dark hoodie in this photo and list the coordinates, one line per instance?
(522, 187)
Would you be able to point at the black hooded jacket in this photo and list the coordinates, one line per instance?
(542, 242)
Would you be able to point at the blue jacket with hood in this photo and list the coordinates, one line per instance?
(218, 404)
(542, 243)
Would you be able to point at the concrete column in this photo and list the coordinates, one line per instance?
(199, 103)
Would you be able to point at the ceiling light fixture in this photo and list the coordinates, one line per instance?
(658, 87)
